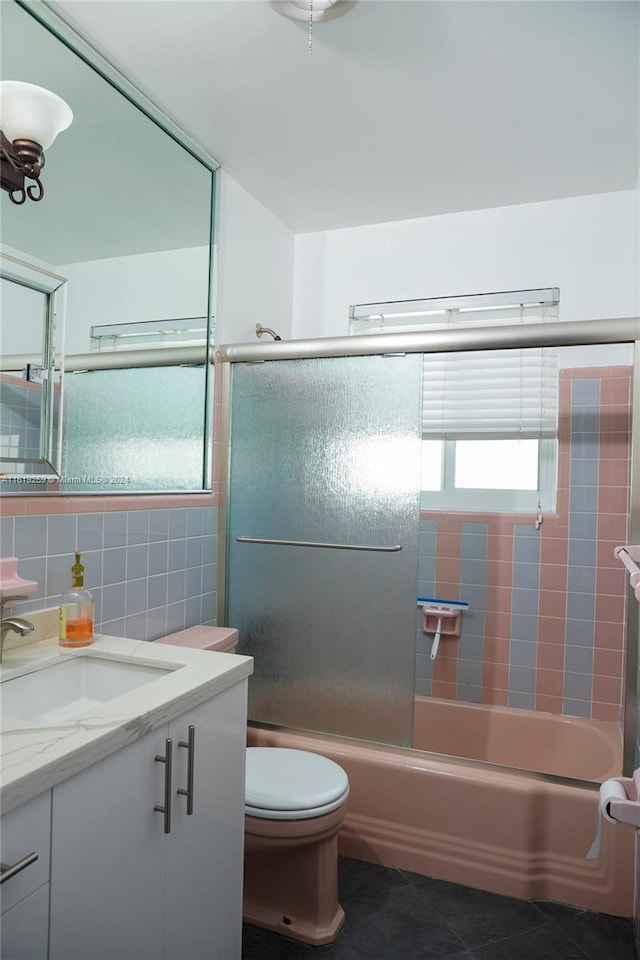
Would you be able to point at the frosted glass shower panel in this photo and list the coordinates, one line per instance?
(132, 431)
(327, 451)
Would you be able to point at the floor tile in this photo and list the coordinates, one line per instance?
(601, 936)
(394, 914)
(544, 943)
(479, 917)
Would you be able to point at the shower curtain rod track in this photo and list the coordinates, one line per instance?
(568, 333)
(518, 336)
(116, 360)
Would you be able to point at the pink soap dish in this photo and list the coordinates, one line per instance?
(10, 583)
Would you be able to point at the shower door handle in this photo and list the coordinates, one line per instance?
(373, 548)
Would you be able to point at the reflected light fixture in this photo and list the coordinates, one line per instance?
(312, 11)
(317, 9)
(30, 120)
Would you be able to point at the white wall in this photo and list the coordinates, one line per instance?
(586, 246)
(21, 313)
(166, 285)
(254, 267)
(253, 282)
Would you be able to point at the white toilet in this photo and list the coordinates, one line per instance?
(295, 802)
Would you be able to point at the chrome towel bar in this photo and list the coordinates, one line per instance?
(328, 546)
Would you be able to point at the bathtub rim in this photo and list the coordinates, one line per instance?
(604, 728)
(397, 755)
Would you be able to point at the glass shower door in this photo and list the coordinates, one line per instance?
(323, 511)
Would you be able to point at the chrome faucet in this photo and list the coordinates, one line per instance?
(12, 624)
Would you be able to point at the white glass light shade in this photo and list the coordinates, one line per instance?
(28, 112)
(302, 9)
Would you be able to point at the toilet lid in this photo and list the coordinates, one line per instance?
(290, 781)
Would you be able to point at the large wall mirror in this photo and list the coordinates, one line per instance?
(126, 225)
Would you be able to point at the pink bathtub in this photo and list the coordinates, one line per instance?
(541, 742)
(509, 831)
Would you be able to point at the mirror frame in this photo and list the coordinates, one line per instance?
(54, 288)
(52, 21)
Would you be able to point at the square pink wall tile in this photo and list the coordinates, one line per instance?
(497, 625)
(609, 636)
(500, 548)
(498, 599)
(551, 655)
(447, 569)
(613, 526)
(606, 711)
(552, 630)
(448, 544)
(610, 609)
(548, 704)
(495, 676)
(608, 663)
(613, 500)
(616, 390)
(614, 446)
(443, 689)
(607, 690)
(496, 649)
(553, 576)
(499, 573)
(614, 472)
(499, 698)
(445, 670)
(552, 603)
(612, 580)
(553, 550)
(549, 682)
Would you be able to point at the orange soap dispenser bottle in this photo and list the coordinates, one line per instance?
(75, 620)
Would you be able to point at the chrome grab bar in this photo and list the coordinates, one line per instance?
(329, 546)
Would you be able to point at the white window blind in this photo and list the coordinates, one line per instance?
(488, 394)
(186, 331)
(473, 310)
(511, 394)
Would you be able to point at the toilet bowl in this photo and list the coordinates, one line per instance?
(295, 802)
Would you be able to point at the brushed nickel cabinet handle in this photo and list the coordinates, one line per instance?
(166, 807)
(10, 870)
(190, 745)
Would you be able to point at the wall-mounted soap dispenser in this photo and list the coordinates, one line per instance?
(75, 622)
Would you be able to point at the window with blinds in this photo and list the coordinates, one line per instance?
(489, 418)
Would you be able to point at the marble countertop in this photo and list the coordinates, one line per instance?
(34, 758)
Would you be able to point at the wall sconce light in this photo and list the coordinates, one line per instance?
(30, 120)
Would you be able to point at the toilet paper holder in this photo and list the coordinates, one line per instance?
(629, 557)
(627, 810)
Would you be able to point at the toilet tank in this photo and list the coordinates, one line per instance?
(222, 639)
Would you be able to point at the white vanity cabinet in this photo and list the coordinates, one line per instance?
(24, 892)
(132, 880)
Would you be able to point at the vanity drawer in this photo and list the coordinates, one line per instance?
(24, 831)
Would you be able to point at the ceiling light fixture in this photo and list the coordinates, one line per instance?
(312, 11)
(30, 120)
(318, 9)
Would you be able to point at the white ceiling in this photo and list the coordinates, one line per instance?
(405, 108)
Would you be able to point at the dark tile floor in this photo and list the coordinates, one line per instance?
(396, 915)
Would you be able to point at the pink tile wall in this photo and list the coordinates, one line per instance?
(552, 650)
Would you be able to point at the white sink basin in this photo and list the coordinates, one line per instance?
(71, 688)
